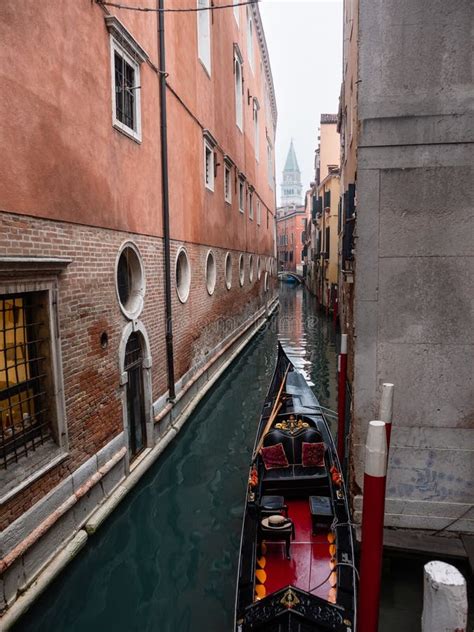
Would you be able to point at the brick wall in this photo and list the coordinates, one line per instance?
(88, 306)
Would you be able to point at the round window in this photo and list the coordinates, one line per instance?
(251, 268)
(259, 268)
(228, 271)
(210, 272)
(241, 270)
(183, 275)
(130, 280)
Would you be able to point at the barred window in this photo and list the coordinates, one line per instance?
(126, 89)
(24, 381)
(125, 105)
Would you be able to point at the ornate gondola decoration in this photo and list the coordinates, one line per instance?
(296, 567)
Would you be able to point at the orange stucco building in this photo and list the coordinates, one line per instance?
(137, 214)
(291, 227)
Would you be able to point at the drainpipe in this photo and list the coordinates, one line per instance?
(165, 198)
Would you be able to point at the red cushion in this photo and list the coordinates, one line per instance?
(313, 454)
(274, 457)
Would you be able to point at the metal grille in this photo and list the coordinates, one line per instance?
(124, 91)
(133, 352)
(23, 391)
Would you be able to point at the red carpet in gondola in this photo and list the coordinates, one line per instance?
(310, 556)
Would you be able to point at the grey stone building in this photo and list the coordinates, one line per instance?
(413, 245)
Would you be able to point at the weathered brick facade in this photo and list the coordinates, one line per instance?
(88, 307)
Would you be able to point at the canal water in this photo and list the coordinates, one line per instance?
(166, 560)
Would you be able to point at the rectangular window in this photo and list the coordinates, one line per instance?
(256, 129)
(227, 184)
(259, 213)
(327, 199)
(204, 34)
(241, 196)
(239, 119)
(126, 91)
(327, 239)
(236, 11)
(270, 164)
(250, 38)
(208, 165)
(25, 380)
(251, 205)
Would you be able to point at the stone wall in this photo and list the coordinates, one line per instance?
(413, 292)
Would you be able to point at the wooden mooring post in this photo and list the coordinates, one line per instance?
(341, 400)
(373, 509)
(444, 599)
(386, 409)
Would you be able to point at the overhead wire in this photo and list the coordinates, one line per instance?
(211, 7)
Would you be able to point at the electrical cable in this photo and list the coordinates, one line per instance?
(116, 5)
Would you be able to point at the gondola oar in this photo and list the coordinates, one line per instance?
(276, 407)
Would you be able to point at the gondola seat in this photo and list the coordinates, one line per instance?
(295, 476)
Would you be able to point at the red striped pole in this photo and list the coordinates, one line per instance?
(386, 409)
(372, 527)
(341, 400)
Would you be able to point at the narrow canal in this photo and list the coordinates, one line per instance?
(166, 560)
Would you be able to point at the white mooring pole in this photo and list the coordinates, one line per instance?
(444, 599)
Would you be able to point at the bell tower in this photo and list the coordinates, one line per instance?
(291, 187)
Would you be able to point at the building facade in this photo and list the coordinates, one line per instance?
(291, 237)
(133, 263)
(323, 210)
(406, 252)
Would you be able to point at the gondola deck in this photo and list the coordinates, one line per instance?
(304, 583)
(310, 559)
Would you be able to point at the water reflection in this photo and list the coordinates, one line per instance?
(310, 341)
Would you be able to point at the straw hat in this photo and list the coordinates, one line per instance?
(275, 522)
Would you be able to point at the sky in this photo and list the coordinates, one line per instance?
(304, 40)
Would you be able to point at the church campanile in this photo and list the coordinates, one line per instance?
(291, 188)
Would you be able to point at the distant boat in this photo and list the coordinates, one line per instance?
(289, 277)
(296, 568)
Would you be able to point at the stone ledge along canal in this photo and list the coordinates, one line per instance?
(166, 559)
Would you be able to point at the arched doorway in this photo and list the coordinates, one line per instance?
(133, 366)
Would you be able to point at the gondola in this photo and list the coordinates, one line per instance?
(296, 568)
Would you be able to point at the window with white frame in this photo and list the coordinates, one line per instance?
(204, 33)
(208, 165)
(259, 213)
(238, 78)
(250, 37)
(241, 196)
(126, 55)
(209, 145)
(256, 130)
(270, 163)
(251, 205)
(236, 11)
(228, 183)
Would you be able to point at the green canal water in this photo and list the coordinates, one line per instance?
(166, 560)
